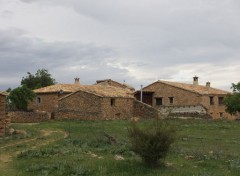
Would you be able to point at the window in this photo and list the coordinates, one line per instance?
(220, 100)
(221, 114)
(38, 99)
(211, 100)
(112, 101)
(159, 101)
(170, 100)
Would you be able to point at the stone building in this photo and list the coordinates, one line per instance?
(184, 98)
(115, 84)
(97, 101)
(3, 96)
(47, 98)
(4, 121)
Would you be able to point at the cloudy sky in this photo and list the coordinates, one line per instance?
(139, 41)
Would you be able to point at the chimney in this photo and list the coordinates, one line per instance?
(195, 80)
(77, 81)
(208, 84)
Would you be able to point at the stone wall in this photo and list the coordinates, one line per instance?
(184, 111)
(117, 108)
(2, 106)
(216, 110)
(88, 106)
(29, 117)
(4, 120)
(144, 110)
(183, 97)
(48, 102)
(80, 105)
(4, 123)
(180, 96)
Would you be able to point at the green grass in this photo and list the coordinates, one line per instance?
(203, 148)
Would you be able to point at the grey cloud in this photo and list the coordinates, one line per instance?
(152, 39)
(20, 54)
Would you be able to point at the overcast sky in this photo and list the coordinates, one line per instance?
(139, 41)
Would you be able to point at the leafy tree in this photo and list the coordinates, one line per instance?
(232, 101)
(9, 90)
(19, 97)
(41, 79)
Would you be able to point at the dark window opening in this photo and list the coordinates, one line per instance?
(112, 101)
(211, 100)
(118, 115)
(52, 115)
(38, 99)
(170, 100)
(220, 100)
(221, 114)
(159, 101)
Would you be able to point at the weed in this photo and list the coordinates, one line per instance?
(152, 144)
(60, 168)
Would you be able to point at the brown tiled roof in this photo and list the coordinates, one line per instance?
(68, 88)
(203, 90)
(4, 93)
(109, 82)
(99, 90)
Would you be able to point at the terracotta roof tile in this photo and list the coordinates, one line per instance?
(69, 88)
(4, 93)
(203, 90)
(109, 82)
(99, 90)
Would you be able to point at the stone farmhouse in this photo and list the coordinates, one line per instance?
(99, 101)
(185, 98)
(3, 111)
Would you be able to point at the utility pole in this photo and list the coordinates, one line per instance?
(141, 94)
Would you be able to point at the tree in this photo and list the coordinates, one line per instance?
(19, 97)
(232, 101)
(41, 79)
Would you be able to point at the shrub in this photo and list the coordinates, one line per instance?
(152, 143)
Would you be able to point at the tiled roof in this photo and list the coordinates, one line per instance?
(109, 82)
(68, 88)
(203, 90)
(4, 93)
(99, 90)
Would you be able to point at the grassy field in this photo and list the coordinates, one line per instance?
(203, 148)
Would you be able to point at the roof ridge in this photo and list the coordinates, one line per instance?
(196, 85)
(99, 90)
(199, 89)
(169, 83)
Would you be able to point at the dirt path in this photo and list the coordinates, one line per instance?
(6, 155)
(45, 133)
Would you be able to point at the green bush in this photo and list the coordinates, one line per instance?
(152, 143)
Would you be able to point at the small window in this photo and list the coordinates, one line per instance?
(159, 101)
(38, 99)
(211, 100)
(221, 114)
(112, 101)
(220, 100)
(170, 100)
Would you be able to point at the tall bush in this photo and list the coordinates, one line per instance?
(152, 143)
